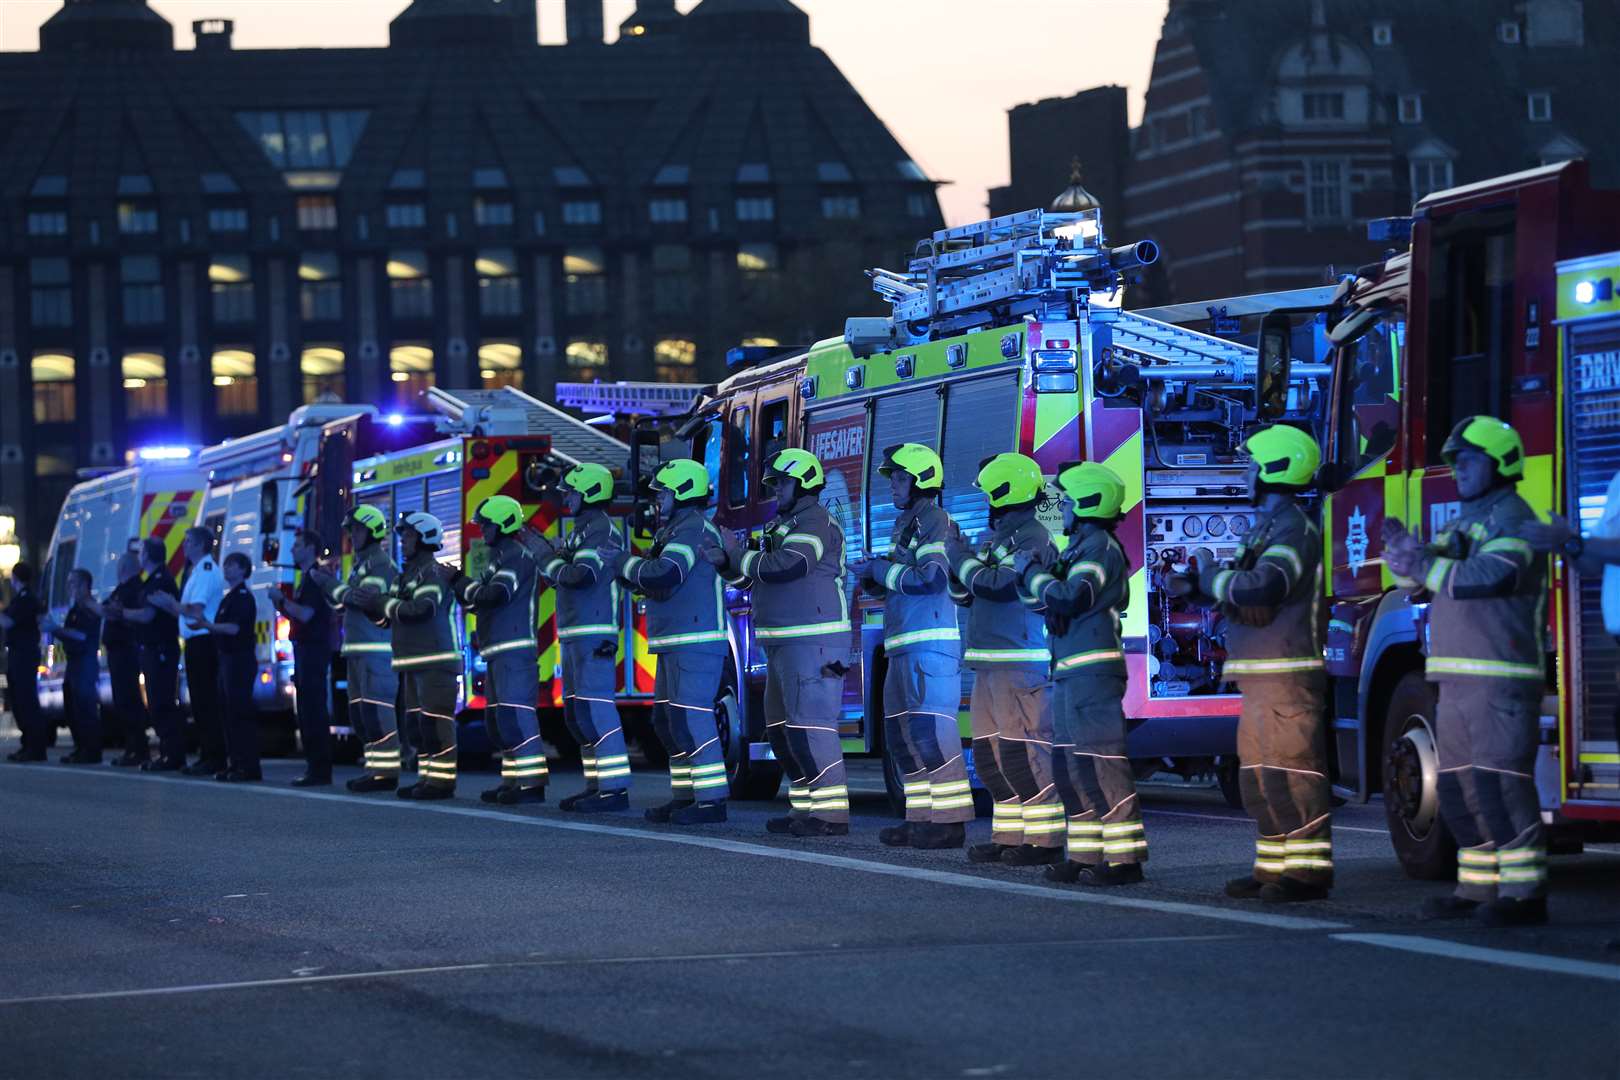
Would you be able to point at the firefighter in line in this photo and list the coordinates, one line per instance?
(922, 688)
(367, 648)
(419, 610)
(1006, 648)
(1270, 596)
(503, 597)
(1486, 589)
(686, 630)
(801, 618)
(1082, 593)
(588, 619)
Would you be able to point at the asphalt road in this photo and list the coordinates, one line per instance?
(170, 927)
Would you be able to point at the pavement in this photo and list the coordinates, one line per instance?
(168, 927)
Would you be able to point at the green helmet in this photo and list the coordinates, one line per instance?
(916, 460)
(683, 478)
(593, 482)
(1097, 492)
(1491, 437)
(1010, 479)
(1287, 456)
(368, 517)
(795, 464)
(503, 512)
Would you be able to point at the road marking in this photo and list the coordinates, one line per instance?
(1235, 819)
(737, 847)
(306, 976)
(1553, 965)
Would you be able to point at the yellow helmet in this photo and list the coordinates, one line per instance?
(593, 482)
(918, 462)
(503, 512)
(368, 517)
(1492, 437)
(795, 464)
(1096, 491)
(1010, 479)
(1287, 456)
(683, 478)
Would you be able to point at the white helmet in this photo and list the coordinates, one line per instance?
(428, 527)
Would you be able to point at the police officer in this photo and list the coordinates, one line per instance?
(367, 647)
(588, 622)
(1006, 648)
(309, 614)
(79, 633)
(503, 599)
(686, 630)
(801, 618)
(201, 591)
(1487, 590)
(1082, 593)
(159, 634)
(420, 609)
(122, 647)
(1270, 596)
(236, 648)
(20, 621)
(922, 689)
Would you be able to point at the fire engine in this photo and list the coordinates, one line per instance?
(1503, 304)
(1009, 334)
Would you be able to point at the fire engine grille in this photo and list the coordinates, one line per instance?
(1593, 457)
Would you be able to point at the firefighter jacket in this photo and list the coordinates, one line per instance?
(1270, 596)
(797, 577)
(686, 600)
(1488, 593)
(420, 609)
(582, 570)
(371, 569)
(503, 598)
(1002, 629)
(1082, 594)
(913, 579)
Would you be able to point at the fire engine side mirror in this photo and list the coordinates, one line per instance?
(1273, 366)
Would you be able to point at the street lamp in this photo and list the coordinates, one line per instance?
(10, 550)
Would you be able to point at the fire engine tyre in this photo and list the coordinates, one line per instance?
(1226, 774)
(893, 786)
(1411, 793)
(754, 780)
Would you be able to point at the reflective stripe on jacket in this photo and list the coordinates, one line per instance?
(1001, 628)
(583, 572)
(371, 568)
(913, 580)
(797, 579)
(421, 612)
(1082, 595)
(1270, 596)
(503, 598)
(686, 599)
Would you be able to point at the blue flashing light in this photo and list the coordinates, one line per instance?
(163, 453)
(395, 419)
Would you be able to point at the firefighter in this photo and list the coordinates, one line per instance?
(922, 688)
(686, 630)
(419, 610)
(373, 682)
(503, 597)
(588, 619)
(801, 618)
(1486, 589)
(1006, 648)
(1083, 592)
(1270, 597)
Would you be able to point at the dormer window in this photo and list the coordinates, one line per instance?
(1507, 32)
(1410, 108)
(1539, 103)
(833, 172)
(1323, 105)
(753, 173)
(1383, 34)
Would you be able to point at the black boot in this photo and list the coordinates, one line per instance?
(1507, 911)
(567, 802)
(26, 755)
(129, 759)
(814, 826)
(313, 780)
(493, 794)
(987, 853)
(516, 796)
(363, 784)
(703, 813)
(1244, 888)
(1030, 855)
(1066, 872)
(1107, 875)
(163, 764)
(425, 792)
(1290, 890)
(602, 802)
(1448, 907)
(780, 826)
(896, 835)
(660, 814)
(938, 836)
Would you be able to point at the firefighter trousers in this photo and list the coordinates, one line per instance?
(803, 699)
(1282, 775)
(429, 700)
(1093, 773)
(922, 692)
(683, 720)
(511, 694)
(1012, 751)
(1487, 731)
(373, 689)
(591, 714)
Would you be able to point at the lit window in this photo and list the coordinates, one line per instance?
(1325, 191)
(500, 363)
(320, 290)
(1324, 106)
(236, 383)
(227, 219)
(757, 341)
(54, 397)
(1430, 175)
(582, 212)
(500, 291)
(756, 208)
(137, 219)
(322, 369)
(840, 207)
(317, 212)
(51, 292)
(667, 211)
(584, 283)
(410, 286)
(142, 277)
(674, 359)
(146, 385)
(230, 281)
(488, 213)
(1411, 108)
(407, 216)
(586, 357)
(47, 223)
(1540, 104)
(756, 258)
(410, 367)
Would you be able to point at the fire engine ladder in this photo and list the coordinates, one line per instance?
(1164, 350)
(629, 398)
(509, 411)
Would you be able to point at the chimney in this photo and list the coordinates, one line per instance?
(584, 22)
(213, 35)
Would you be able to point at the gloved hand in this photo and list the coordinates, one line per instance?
(606, 649)
(715, 555)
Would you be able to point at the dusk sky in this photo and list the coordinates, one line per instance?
(941, 73)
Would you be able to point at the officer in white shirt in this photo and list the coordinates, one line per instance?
(200, 594)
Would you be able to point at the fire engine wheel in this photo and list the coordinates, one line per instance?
(1226, 774)
(757, 780)
(1411, 790)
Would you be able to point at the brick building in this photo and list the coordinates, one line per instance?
(199, 241)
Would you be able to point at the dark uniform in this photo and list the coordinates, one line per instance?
(81, 687)
(503, 598)
(373, 684)
(420, 610)
(238, 668)
(160, 667)
(204, 583)
(121, 641)
(22, 671)
(312, 668)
